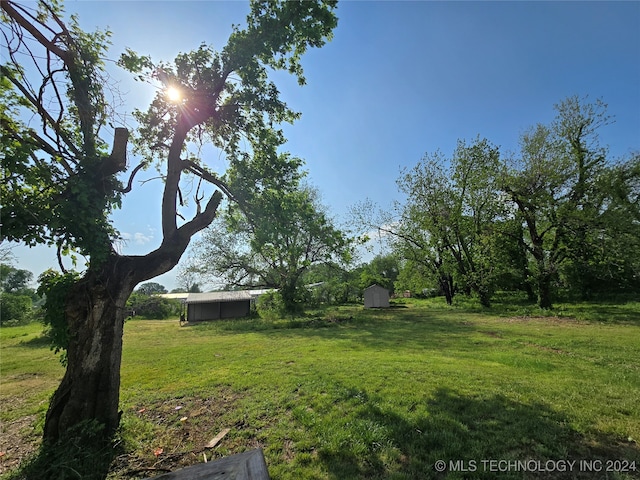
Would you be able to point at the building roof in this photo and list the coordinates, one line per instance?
(233, 296)
(375, 286)
(174, 296)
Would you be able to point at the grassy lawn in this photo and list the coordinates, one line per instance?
(354, 394)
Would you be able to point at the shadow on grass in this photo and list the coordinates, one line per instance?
(388, 329)
(462, 432)
(604, 312)
(624, 309)
(376, 329)
(37, 342)
(84, 453)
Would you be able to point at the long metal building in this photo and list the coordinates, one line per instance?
(218, 305)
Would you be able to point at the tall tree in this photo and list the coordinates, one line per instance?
(60, 182)
(604, 245)
(554, 185)
(278, 230)
(405, 231)
(448, 217)
(14, 280)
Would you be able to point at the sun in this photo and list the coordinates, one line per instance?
(173, 94)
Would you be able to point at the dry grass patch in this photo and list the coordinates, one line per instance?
(18, 440)
(172, 433)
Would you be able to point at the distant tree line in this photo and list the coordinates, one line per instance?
(559, 217)
(17, 298)
(147, 302)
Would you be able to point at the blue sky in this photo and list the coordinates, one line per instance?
(399, 79)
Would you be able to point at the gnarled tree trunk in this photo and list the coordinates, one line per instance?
(95, 312)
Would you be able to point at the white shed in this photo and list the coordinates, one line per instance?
(376, 296)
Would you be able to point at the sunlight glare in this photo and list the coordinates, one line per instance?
(173, 94)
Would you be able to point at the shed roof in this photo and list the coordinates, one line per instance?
(375, 286)
(233, 296)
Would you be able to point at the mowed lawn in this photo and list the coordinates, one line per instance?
(350, 393)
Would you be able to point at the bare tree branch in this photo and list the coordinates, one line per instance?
(127, 189)
(29, 26)
(45, 115)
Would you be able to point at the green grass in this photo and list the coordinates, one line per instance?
(352, 393)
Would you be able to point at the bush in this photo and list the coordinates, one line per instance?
(15, 308)
(152, 307)
(271, 306)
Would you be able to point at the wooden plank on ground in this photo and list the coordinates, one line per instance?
(214, 441)
(243, 466)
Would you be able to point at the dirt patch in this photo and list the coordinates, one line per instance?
(158, 437)
(176, 432)
(288, 451)
(17, 442)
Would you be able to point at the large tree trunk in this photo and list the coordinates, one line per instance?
(95, 312)
(289, 292)
(447, 287)
(544, 282)
(90, 388)
(544, 292)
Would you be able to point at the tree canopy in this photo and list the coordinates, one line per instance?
(14, 280)
(151, 288)
(62, 165)
(273, 233)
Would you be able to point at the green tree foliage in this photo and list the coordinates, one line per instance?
(16, 297)
(563, 188)
(15, 308)
(447, 221)
(331, 283)
(513, 270)
(193, 288)
(152, 307)
(382, 270)
(56, 287)
(14, 280)
(417, 279)
(614, 263)
(271, 306)
(278, 230)
(151, 288)
(41, 198)
(558, 217)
